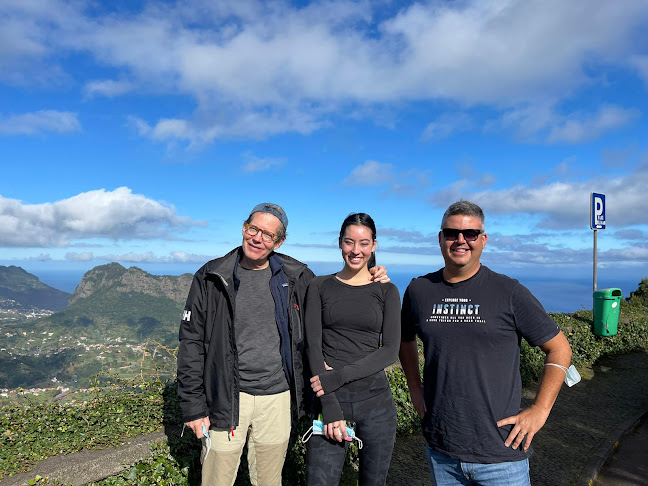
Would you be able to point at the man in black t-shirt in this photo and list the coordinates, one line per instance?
(471, 321)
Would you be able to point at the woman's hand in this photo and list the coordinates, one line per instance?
(336, 431)
(315, 382)
(316, 386)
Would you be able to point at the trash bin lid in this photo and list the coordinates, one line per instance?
(607, 293)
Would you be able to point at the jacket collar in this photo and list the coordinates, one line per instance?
(276, 263)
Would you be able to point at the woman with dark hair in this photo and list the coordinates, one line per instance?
(346, 317)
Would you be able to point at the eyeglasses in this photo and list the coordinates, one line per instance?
(265, 236)
(451, 234)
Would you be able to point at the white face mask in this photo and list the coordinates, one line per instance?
(573, 376)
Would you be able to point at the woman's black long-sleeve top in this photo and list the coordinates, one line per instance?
(344, 324)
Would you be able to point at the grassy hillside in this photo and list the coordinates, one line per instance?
(131, 316)
(27, 290)
(112, 312)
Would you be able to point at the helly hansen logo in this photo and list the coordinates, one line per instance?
(186, 315)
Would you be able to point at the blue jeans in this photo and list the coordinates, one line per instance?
(446, 471)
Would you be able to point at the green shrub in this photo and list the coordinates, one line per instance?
(34, 431)
(639, 297)
(408, 420)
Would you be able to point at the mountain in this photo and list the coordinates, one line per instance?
(115, 302)
(114, 277)
(112, 312)
(26, 289)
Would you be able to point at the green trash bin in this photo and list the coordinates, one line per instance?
(607, 303)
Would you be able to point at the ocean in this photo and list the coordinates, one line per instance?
(567, 293)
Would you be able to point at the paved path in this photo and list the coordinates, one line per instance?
(86, 466)
(614, 391)
(629, 464)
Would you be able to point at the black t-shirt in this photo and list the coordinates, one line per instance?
(344, 324)
(471, 332)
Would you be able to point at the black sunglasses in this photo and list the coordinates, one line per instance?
(451, 234)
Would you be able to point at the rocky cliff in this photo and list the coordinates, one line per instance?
(115, 277)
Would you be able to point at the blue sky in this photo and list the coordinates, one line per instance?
(144, 132)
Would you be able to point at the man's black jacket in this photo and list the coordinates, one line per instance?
(208, 374)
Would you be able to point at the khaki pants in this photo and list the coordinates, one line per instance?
(264, 422)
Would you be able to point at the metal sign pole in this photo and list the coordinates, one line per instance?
(597, 222)
(595, 276)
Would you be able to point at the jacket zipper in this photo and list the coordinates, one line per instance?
(229, 437)
(293, 308)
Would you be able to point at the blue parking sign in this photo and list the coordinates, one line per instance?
(597, 211)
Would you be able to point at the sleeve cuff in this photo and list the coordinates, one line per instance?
(331, 411)
(330, 381)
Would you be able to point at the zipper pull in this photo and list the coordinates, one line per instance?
(296, 307)
(232, 431)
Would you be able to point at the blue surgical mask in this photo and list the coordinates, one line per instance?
(573, 376)
(318, 429)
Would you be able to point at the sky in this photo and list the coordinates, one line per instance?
(144, 132)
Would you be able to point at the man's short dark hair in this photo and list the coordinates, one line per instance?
(464, 208)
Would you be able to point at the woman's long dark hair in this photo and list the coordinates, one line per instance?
(360, 219)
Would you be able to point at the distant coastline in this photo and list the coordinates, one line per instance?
(564, 295)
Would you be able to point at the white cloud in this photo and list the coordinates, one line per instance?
(140, 126)
(108, 87)
(117, 214)
(486, 180)
(408, 183)
(43, 257)
(562, 204)
(447, 125)
(410, 236)
(147, 257)
(256, 69)
(527, 121)
(544, 122)
(40, 122)
(371, 173)
(445, 196)
(583, 128)
(640, 63)
(623, 255)
(26, 51)
(172, 128)
(232, 124)
(258, 164)
(85, 256)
